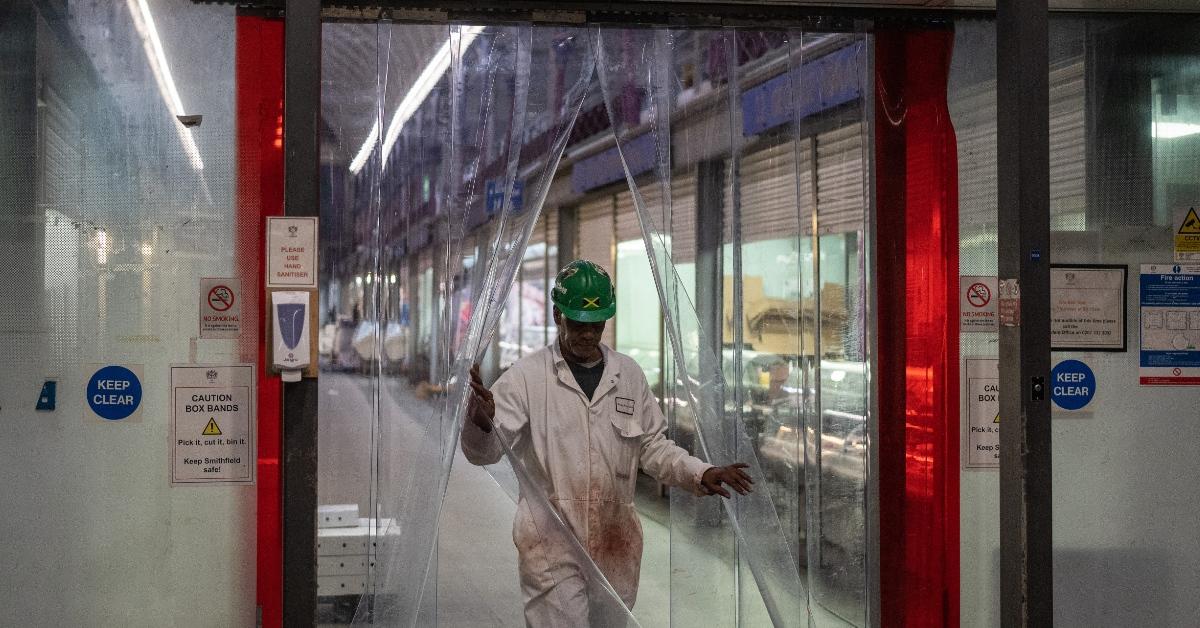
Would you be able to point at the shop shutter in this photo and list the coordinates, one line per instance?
(538, 235)
(1068, 144)
(550, 222)
(974, 115)
(682, 230)
(769, 192)
(594, 240)
(683, 218)
(841, 181)
(628, 226)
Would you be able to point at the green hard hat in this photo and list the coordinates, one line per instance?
(583, 292)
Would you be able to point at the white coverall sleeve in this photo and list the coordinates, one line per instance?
(511, 421)
(661, 457)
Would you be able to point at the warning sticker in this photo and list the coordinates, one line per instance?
(977, 304)
(1187, 238)
(982, 420)
(220, 307)
(213, 424)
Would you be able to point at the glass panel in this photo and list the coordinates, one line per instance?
(113, 211)
(1124, 500)
(971, 98)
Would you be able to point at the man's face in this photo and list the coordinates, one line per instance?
(580, 342)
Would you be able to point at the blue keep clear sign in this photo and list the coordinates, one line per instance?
(1072, 385)
(114, 393)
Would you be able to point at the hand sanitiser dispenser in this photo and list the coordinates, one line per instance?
(291, 343)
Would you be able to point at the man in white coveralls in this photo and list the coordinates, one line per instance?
(585, 415)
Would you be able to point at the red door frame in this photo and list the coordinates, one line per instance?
(259, 194)
(917, 252)
(916, 166)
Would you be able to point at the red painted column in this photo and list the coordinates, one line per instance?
(917, 288)
(260, 194)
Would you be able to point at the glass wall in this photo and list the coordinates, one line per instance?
(1122, 182)
(114, 210)
(1123, 500)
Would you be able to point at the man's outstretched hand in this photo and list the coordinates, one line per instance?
(732, 475)
(482, 408)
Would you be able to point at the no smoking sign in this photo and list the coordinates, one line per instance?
(220, 307)
(979, 295)
(977, 305)
(221, 298)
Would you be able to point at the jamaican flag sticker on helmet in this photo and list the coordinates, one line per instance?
(583, 292)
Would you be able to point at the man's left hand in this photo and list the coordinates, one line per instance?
(732, 475)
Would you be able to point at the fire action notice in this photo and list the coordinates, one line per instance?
(1170, 333)
(213, 424)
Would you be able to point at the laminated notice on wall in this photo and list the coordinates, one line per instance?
(982, 418)
(1010, 302)
(291, 252)
(977, 304)
(220, 307)
(213, 424)
(1170, 327)
(1087, 308)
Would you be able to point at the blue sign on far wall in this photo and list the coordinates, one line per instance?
(114, 392)
(1072, 385)
(494, 197)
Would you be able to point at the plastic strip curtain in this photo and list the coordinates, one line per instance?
(635, 68)
(498, 134)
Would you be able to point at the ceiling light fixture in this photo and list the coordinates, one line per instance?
(426, 81)
(1172, 130)
(143, 22)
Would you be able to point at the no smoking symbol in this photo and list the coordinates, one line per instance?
(220, 298)
(979, 295)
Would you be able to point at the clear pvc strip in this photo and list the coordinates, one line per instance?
(478, 113)
(636, 75)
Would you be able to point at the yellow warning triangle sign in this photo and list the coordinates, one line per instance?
(997, 418)
(1191, 223)
(211, 429)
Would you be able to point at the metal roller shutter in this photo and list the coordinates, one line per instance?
(538, 235)
(595, 237)
(974, 114)
(841, 181)
(682, 229)
(683, 218)
(1068, 145)
(628, 227)
(550, 222)
(594, 241)
(769, 192)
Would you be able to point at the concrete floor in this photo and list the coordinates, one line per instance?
(476, 583)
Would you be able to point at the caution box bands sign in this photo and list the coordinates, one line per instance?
(213, 424)
(981, 429)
